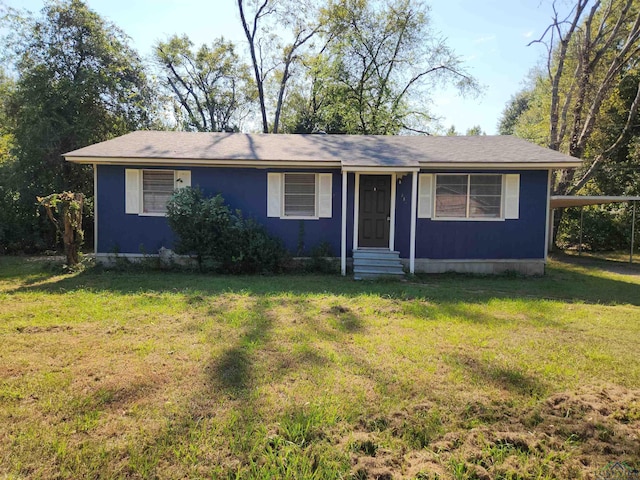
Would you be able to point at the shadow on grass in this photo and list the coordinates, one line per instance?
(564, 281)
(236, 371)
(233, 370)
(501, 376)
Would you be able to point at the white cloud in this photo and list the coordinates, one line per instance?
(528, 34)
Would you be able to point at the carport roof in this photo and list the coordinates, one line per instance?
(566, 201)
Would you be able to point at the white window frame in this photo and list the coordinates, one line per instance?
(134, 190)
(275, 206)
(315, 197)
(467, 218)
(142, 173)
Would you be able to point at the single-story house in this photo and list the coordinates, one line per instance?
(430, 204)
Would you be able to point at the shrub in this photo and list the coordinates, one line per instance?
(255, 250)
(221, 239)
(201, 224)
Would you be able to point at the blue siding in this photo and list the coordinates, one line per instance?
(522, 238)
(246, 189)
(242, 188)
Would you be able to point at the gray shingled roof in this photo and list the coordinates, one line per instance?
(346, 150)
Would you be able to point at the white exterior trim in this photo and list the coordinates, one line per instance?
(548, 217)
(510, 209)
(274, 195)
(392, 214)
(370, 170)
(203, 162)
(95, 208)
(499, 166)
(343, 233)
(324, 199)
(356, 208)
(319, 164)
(426, 195)
(467, 218)
(414, 209)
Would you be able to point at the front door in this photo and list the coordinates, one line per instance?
(375, 210)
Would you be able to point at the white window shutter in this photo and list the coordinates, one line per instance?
(132, 191)
(512, 196)
(425, 195)
(324, 195)
(274, 194)
(183, 178)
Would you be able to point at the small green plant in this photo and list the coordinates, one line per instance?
(366, 447)
(300, 249)
(322, 259)
(420, 430)
(302, 426)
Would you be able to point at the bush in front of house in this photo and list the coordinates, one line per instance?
(219, 238)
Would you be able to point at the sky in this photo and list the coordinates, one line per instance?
(491, 36)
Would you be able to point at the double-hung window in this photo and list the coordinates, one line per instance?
(299, 195)
(469, 196)
(148, 191)
(157, 188)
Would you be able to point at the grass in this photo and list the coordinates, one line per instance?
(143, 374)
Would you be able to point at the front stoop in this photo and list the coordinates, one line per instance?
(372, 263)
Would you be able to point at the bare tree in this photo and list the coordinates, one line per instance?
(211, 86)
(300, 19)
(378, 65)
(598, 42)
(251, 31)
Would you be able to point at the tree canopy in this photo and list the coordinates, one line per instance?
(211, 87)
(585, 100)
(77, 82)
(375, 71)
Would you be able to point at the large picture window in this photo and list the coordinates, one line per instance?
(468, 196)
(299, 195)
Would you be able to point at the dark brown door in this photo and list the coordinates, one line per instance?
(375, 210)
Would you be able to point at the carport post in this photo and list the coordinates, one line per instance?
(633, 231)
(581, 220)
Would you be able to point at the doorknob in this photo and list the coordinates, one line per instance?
(388, 219)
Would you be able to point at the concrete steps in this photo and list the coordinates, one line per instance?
(372, 263)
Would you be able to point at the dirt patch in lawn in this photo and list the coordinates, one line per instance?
(568, 435)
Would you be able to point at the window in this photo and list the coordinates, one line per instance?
(157, 188)
(468, 196)
(299, 195)
(485, 196)
(147, 191)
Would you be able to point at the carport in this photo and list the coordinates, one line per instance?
(567, 201)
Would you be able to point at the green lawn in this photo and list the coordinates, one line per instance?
(146, 374)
